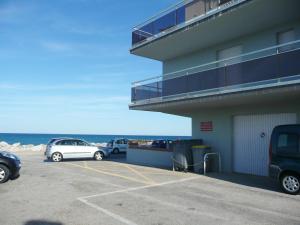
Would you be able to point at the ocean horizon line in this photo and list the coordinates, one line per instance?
(36, 138)
(148, 135)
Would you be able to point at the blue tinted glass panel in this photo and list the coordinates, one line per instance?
(165, 22)
(147, 91)
(142, 34)
(257, 70)
(180, 15)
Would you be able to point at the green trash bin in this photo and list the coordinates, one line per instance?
(199, 152)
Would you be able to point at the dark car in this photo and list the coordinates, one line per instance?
(10, 166)
(161, 144)
(285, 157)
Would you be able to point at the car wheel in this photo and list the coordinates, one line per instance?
(290, 183)
(57, 157)
(116, 151)
(98, 156)
(4, 174)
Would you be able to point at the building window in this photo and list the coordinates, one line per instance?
(194, 9)
(285, 37)
(221, 2)
(211, 4)
(288, 143)
(229, 53)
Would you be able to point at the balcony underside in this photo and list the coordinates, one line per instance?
(266, 96)
(251, 17)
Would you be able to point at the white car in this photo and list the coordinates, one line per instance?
(68, 148)
(118, 145)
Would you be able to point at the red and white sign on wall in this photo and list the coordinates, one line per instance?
(206, 126)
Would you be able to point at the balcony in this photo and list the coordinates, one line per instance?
(177, 16)
(272, 67)
(193, 25)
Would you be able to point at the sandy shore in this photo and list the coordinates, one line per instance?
(18, 147)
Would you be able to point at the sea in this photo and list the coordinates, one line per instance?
(36, 139)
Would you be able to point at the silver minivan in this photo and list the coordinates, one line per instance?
(69, 148)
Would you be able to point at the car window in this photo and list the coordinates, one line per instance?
(118, 142)
(110, 144)
(288, 143)
(66, 143)
(81, 143)
(52, 141)
(72, 142)
(59, 143)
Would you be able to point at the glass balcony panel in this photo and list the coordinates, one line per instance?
(180, 15)
(264, 70)
(143, 33)
(176, 16)
(174, 86)
(252, 71)
(165, 22)
(161, 24)
(206, 80)
(289, 63)
(147, 91)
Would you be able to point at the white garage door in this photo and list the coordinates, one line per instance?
(251, 135)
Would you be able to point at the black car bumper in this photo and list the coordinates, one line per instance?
(15, 174)
(274, 171)
(15, 167)
(12, 162)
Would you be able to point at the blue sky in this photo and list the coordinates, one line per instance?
(65, 67)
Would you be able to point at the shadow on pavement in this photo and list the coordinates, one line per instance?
(248, 180)
(41, 222)
(120, 157)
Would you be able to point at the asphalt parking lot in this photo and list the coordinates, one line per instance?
(113, 192)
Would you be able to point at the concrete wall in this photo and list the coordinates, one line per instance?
(249, 43)
(151, 158)
(221, 139)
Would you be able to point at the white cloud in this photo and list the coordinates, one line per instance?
(13, 11)
(80, 99)
(56, 46)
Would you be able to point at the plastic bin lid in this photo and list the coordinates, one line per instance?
(200, 146)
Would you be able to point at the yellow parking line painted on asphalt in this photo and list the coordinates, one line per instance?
(108, 173)
(103, 168)
(140, 174)
(154, 173)
(150, 169)
(112, 170)
(169, 173)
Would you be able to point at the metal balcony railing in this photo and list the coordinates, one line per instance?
(178, 16)
(268, 67)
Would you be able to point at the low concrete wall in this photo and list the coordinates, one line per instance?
(149, 157)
